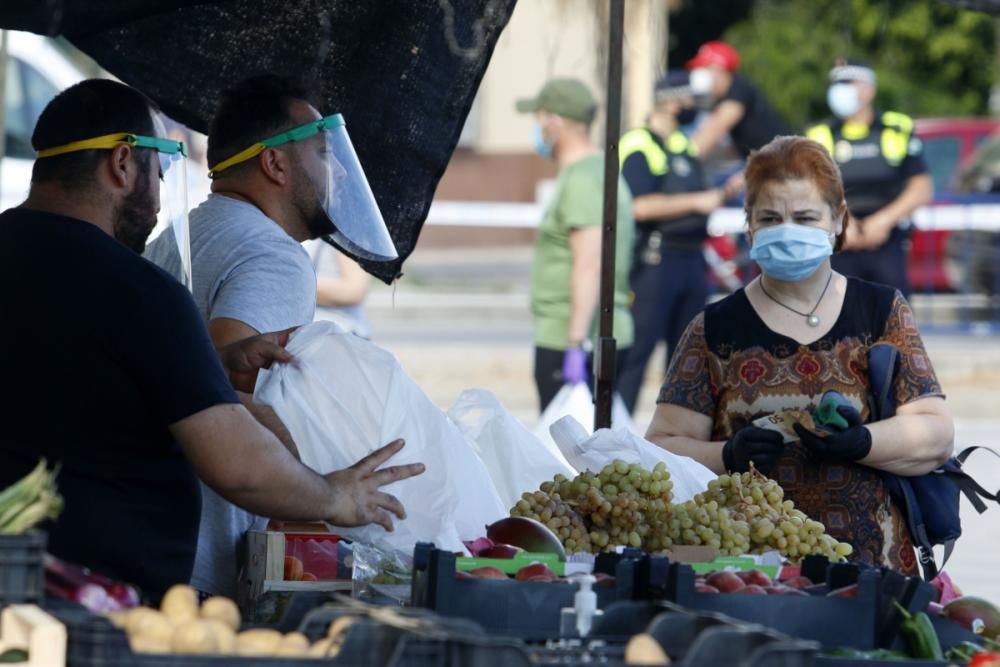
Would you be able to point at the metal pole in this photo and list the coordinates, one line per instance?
(3, 103)
(604, 351)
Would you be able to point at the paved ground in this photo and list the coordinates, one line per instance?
(460, 320)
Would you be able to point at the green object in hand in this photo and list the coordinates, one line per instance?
(14, 655)
(919, 633)
(826, 414)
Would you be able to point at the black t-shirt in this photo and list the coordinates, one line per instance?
(103, 351)
(760, 123)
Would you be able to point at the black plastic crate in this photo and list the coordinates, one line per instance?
(503, 607)
(866, 621)
(22, 576)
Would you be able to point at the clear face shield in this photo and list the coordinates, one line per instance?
(172, 178)
(353, 220)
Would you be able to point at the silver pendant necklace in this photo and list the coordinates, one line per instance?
(812, 319)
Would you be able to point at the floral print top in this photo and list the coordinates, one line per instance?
(732, 368)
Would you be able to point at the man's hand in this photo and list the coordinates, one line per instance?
(875, 230)
(709, 200)
(244, 358)
(357, 498)
(733, 186)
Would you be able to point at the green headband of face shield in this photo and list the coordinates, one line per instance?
(295, 134)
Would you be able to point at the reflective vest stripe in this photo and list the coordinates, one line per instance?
(641, 141)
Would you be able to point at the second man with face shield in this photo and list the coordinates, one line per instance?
(281, 174)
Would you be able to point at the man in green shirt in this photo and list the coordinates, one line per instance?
(565, 281)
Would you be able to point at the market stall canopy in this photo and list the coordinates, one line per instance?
(402, 72)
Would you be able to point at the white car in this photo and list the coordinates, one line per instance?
(36, 71)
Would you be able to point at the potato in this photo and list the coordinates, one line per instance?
(222, 609)
(261, 642)
(339, 628)
(643, 649)
(225, 638)
(117, 618)
(193, 637)
(146, 623)
(143, 644)
(324, 648)
(180, 604)
(293, 644)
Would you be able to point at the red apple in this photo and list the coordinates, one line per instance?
(488, 572)
(798, 582)
(725, 582)
(705, 588)
(462, 575)
(779, 589)
(478, 545)
(501, 551)
(535, 572)
(759, 578)
(752, 589)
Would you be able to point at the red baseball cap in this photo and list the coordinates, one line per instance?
(717, 54)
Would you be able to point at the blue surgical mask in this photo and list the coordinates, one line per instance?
(541, 147)
(790, 251)
(843, 99)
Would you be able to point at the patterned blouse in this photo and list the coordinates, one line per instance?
(731, 367)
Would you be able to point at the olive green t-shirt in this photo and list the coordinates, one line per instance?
(576, 204)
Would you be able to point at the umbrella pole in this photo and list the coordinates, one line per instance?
(604, 351)
(3, 101)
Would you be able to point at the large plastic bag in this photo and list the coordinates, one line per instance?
(576, 401)
(516, 459)
(344, 397)
(593, 452)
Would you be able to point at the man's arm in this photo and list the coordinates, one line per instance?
(658, 206)
(717, 125)
(245, 464)
(349, 288)
(875, 228)
(268, 418)
(585, 281)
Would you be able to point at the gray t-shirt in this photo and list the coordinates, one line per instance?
(247, 268)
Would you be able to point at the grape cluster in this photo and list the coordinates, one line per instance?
(773, 521)
(626, 505)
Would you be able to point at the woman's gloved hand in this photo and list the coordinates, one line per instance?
(852, 443)
(574, 368)
(751, 443)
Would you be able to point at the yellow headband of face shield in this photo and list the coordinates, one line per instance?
(107, 141)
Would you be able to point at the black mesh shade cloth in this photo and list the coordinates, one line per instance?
(402, 72)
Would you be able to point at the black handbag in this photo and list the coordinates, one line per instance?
(931, 501)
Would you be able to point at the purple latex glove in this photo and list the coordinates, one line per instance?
(574, 370)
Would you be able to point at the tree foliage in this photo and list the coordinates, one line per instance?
(932, 59)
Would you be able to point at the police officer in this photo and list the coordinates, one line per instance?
(671, 206)
(885, 177)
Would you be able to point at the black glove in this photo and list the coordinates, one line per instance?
(759, 445)
(852, 443)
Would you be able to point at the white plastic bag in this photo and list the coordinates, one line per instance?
(593, 452)
(344, 397)
(576, 401)
(516, 459)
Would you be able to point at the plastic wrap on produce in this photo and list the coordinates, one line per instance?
(516, 459)
(593, 452)
(344, 397)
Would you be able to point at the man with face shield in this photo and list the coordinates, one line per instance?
(117, 381)
(281, 174)
(885, 176)
(739, 109)
(671, 206)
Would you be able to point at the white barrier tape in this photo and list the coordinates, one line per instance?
(510, 215)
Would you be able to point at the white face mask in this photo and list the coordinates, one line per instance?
(701, 81)
(843, 99)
